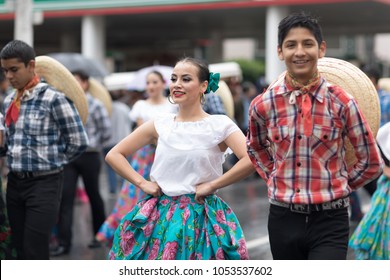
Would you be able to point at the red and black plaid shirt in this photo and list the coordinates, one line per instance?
(306, 170)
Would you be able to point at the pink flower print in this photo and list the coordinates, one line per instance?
(127, 243)
(232, 239)
(192, 256)
(184, 202)
(112, 255)
(220, 255)
(147, 208)
(125, 225)
(218, 230)
(221, 217)
(199, 256)
(232, 225)
(197, 231)
(155, 215)
(186, 214)
(170, 212)
(207, 239)
(170, 250)
(242, 251)
(156, 247)
(229, 211)
(164, 201)
(148, 230)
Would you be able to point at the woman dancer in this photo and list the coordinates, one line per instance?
(371, 238)
(181, 217)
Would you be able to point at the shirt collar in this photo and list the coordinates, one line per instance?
(281, 88)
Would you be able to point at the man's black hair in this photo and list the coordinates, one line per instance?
(19, 50)
(299, 20)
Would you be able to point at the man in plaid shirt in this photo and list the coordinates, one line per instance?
(44, 132)
(296, 138)
(88, 167)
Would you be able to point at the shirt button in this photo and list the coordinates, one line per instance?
(298, 190)
(299, 164)
(299, 111)
(276, 137)
(299, 137)
(325, 136)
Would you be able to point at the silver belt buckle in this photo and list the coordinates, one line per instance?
(302, 209)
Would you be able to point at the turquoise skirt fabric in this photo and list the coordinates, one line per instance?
(178, 228)
(371, 239)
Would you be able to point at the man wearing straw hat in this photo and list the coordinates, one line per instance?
(88, 167)
(297, 130)
(44, 132)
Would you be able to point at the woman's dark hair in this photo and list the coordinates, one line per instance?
(19, 50)
(299, 20)
(158, 74)
(203, 69)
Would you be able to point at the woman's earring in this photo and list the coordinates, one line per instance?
(170, 99)
(202, 99)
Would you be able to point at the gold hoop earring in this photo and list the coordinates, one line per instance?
(202, 99)
(170, 99)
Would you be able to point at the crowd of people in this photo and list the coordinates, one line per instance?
(167, 155)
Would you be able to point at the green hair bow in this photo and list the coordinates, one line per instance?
(213, 82)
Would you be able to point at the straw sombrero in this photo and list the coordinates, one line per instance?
(59, 77)
(355, 82)
(384, 83)
(99, 92)
(227, 99)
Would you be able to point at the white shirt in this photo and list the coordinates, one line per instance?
(187, 153)
(146, 111)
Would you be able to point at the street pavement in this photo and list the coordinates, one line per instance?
(248, 199)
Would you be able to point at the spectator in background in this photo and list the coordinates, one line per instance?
(121, 126)
(143, 110)
(213, 105)
(88, 167)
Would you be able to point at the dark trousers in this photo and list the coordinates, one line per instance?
(88, 167)
(321, 235)
(32, 205)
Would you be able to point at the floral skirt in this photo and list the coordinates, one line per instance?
(371, 239)
(178, 228)
(129, 195)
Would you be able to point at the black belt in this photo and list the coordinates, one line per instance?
(307, 208)
(32, 174)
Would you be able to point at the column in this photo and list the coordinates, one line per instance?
(24, 21)
(93, 38)
(273, 66)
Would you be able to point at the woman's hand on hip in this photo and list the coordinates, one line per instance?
(151, 188)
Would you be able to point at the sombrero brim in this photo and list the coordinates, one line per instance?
(99, 92)
(227, 99)
(59, 77)
(384, 83)
(355, 82)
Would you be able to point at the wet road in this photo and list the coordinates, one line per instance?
(248, 199)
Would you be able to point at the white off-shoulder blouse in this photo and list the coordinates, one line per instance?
(187, 153)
